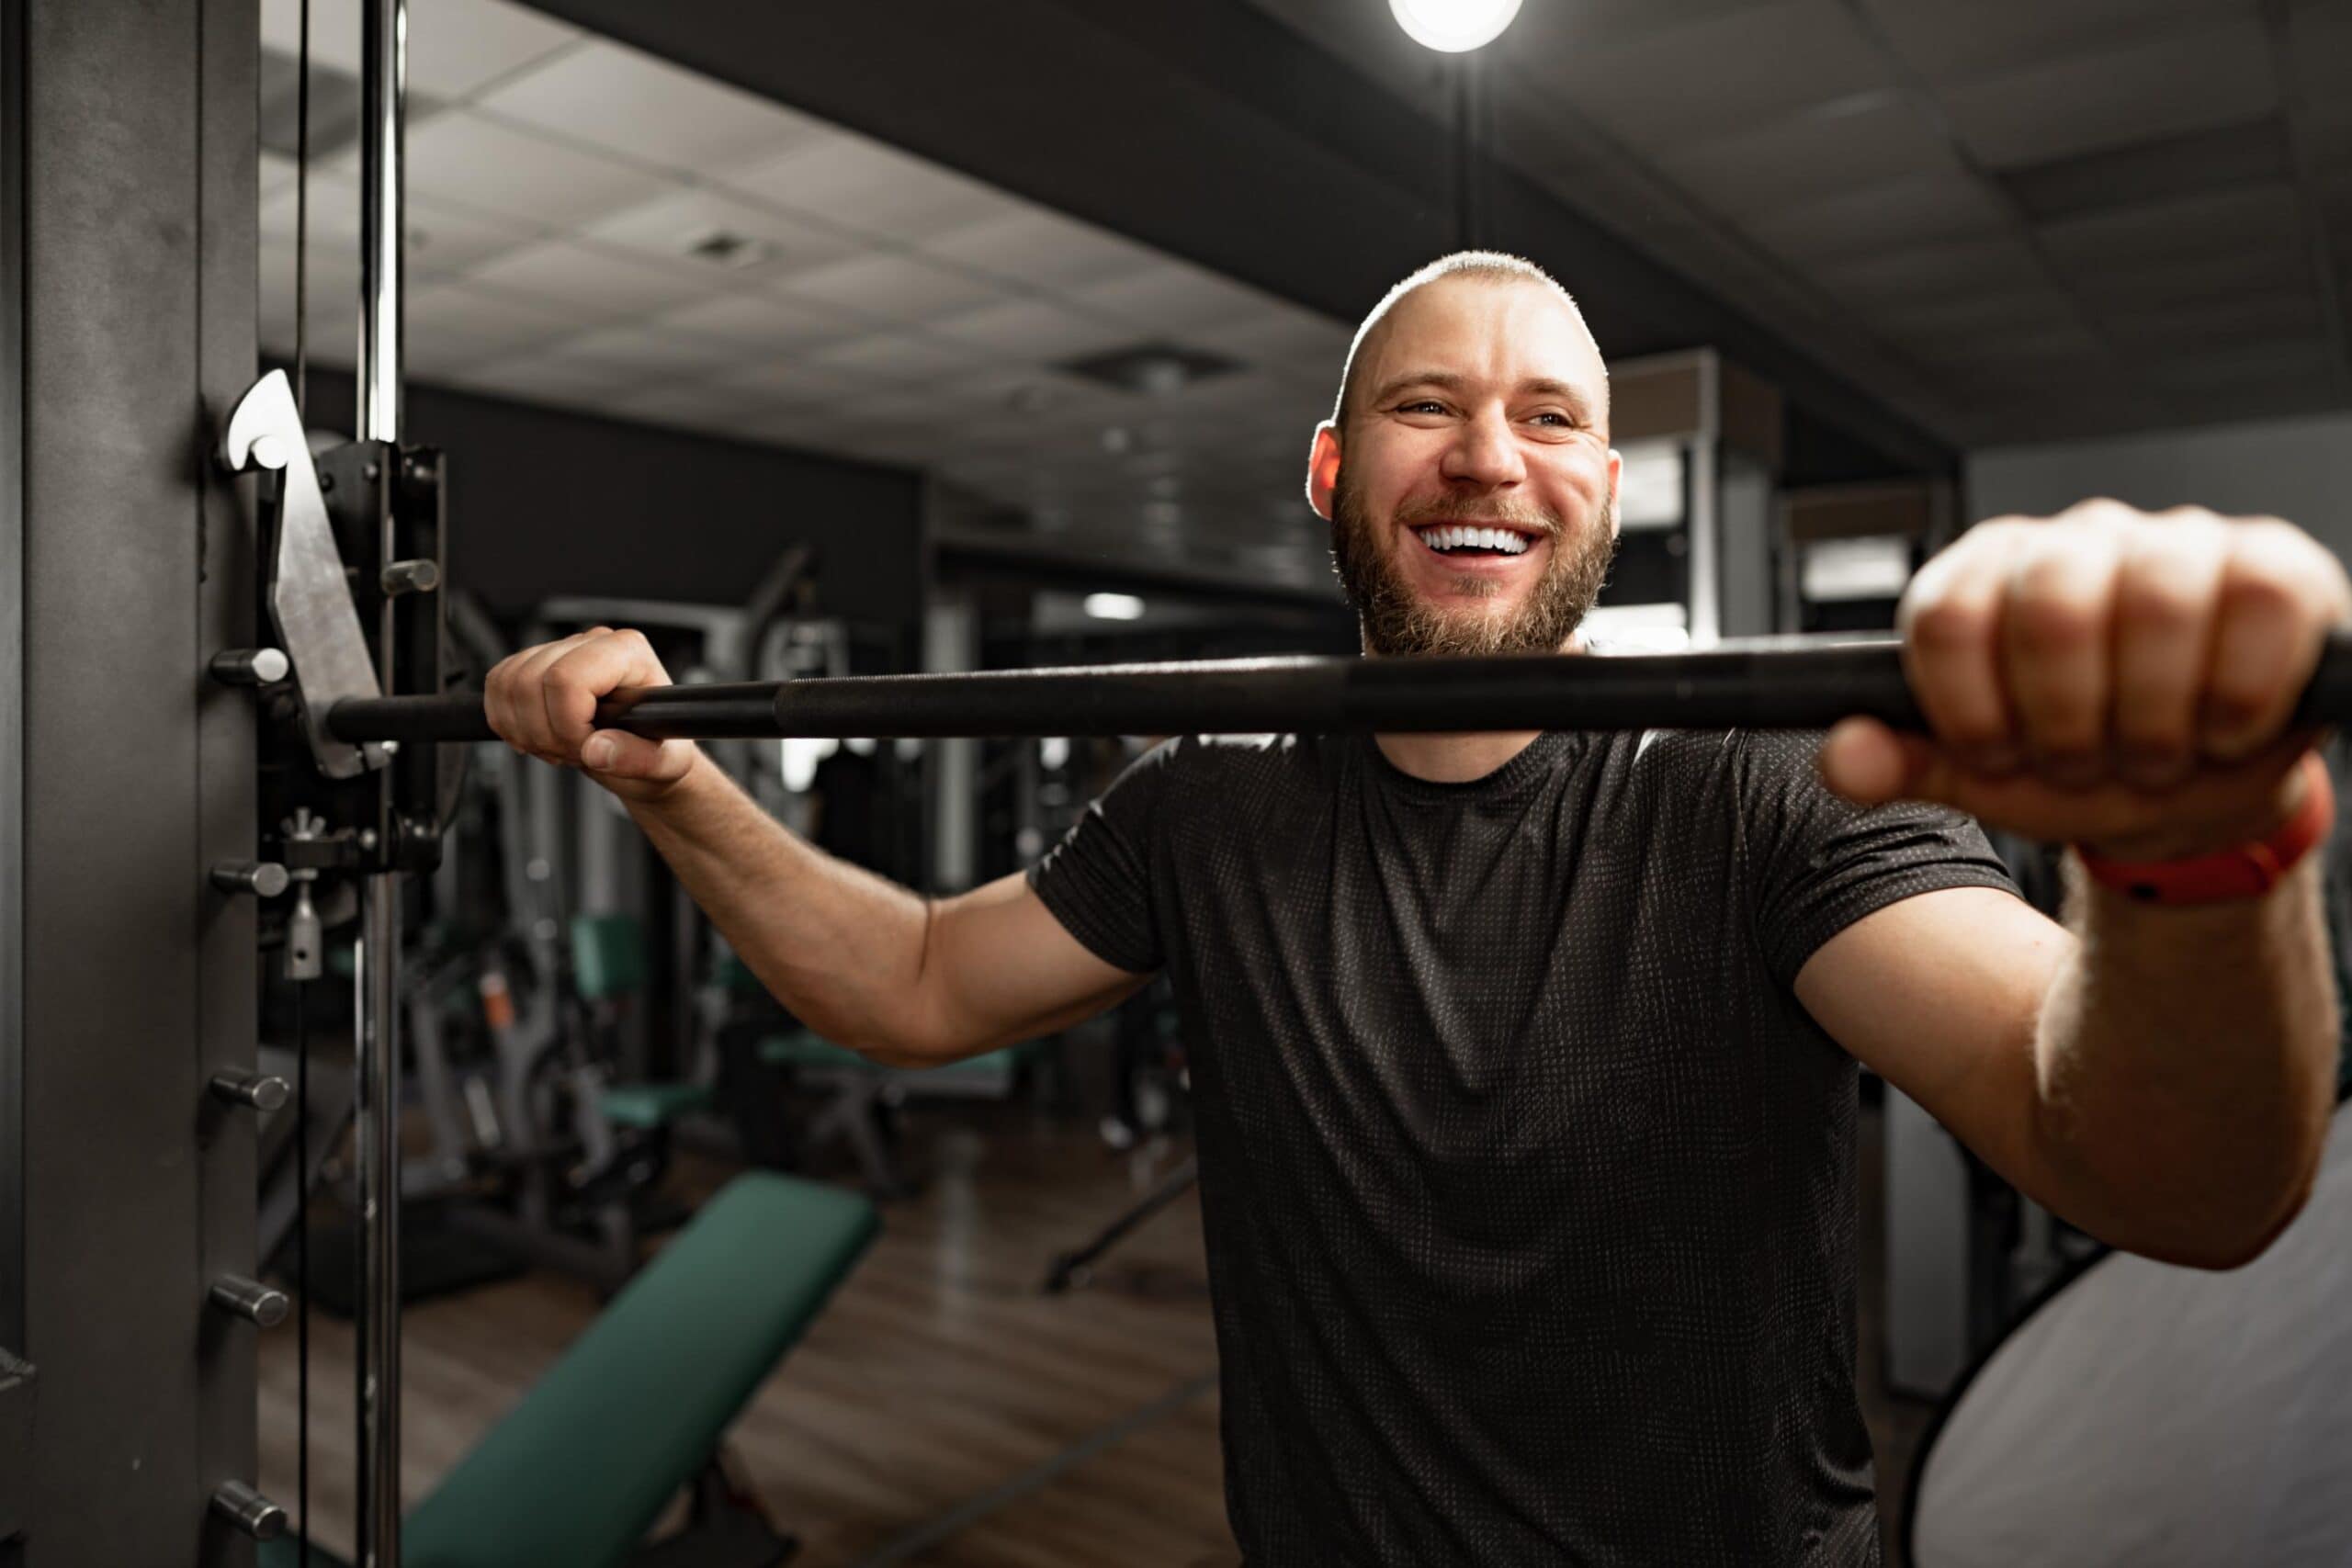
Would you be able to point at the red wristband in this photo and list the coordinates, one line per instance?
(2243, 870)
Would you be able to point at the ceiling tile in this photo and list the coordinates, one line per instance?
(1713, 76)
(760, 322)
(1930, 272)
(1933, 204)
(458, 47)
(2265, 217)
(476, 164)
(1038, 249)
(1942, 40)
(691, 405)
(891, 287)
(897, 355)
(639, 351)
(454, 325)
(1819, 153)
(861, 184)
(1174, 296)
(333, 303)
(647, 109)
(1939, 318)
(2219, 324)
(795, 382)
(455, 47)
(546, 378)
(2164, 86)
(2199, 281)
(2250, 362)
(441, 238)
(1032, 330)
(1282, 338)
(334, 30)
(670, 223)
(590, 285)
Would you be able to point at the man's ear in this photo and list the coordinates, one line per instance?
(1323, 469)
(1616, 480)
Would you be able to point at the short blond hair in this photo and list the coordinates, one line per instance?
(1479, 266)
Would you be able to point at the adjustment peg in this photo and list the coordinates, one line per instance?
(262, 1306)
(250, 666)
(262, 878)
(255, 1091)
(247, 1509)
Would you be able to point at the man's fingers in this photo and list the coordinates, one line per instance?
(1868, 763)
(2055, 649)
(2277, 597)
(1951, 620)
(610, 753)
(2165, 585)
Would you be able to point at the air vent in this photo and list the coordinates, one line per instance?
(1153, 368)
(2151, 172)
(724, 247)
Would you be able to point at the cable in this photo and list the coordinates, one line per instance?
(303, 1273)
(302, 213)
(302, 991)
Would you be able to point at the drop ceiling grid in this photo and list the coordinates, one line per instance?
(1834, 167)
(553, 189)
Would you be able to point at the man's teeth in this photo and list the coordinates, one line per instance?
(1453, 537)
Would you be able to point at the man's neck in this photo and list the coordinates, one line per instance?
(1459, 759)
(1453, 758)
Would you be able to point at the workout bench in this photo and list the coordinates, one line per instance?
(633, 1413)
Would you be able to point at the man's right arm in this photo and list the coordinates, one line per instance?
(907, 980)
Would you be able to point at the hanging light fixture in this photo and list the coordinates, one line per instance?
(1452, 27)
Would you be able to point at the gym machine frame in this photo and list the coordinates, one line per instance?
(356, 536)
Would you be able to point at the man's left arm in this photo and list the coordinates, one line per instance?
(2161, 1074)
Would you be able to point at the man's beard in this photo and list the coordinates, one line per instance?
(1398, 621)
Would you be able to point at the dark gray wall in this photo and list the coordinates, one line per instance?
(139, 262)
(544, 503)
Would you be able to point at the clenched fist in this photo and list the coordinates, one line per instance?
(2108, 677)
(543, 700)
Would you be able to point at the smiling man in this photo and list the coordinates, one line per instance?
(1524, 1064)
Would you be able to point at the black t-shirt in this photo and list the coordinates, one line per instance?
(1527, 1183)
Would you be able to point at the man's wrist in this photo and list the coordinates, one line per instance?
(2188, 842)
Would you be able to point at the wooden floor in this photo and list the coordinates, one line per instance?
(942, 1411)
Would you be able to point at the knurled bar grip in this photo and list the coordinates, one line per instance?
(1756, 688)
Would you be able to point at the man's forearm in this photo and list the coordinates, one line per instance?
(839, 946)
(2187, 1061)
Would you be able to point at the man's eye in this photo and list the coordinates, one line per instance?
(1421, 405)
(1554, 417)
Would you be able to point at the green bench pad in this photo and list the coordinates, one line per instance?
(650, 1106)
(577, 1471)
(608, 956)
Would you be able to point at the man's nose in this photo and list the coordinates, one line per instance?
(1484, 452)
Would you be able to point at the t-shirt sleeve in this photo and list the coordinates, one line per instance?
(1817, 864)
(1098, 881)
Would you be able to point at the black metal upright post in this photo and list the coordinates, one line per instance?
(15, 1386)
(383, 92)
(131, 129)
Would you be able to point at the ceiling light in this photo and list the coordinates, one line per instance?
(1114, 606)
(1452, 27)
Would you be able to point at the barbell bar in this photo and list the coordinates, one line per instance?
(1765, 684)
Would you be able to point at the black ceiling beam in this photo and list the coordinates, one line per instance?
(1208, 128)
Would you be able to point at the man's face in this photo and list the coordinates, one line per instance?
(1474, 511)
